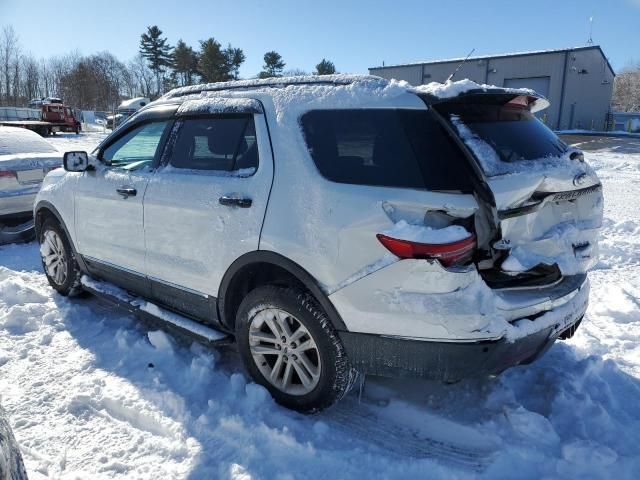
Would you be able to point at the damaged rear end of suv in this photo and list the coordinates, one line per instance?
(476, 291)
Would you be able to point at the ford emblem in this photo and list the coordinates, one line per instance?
(579, 180)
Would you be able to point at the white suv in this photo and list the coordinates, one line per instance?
(337, 225)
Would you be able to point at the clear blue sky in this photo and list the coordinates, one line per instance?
(353, 34)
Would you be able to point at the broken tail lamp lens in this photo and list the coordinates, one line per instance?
(448, 254)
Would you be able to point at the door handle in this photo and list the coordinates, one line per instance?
(127, 191)
(235, 202)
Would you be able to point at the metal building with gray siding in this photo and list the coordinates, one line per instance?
(577, 81)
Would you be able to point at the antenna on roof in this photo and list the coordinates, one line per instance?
(460, 66)
(590, 41)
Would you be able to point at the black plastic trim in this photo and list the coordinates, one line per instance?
(128, 280)
(443, 361)
(192, 304)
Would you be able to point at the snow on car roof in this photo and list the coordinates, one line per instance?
(219, 104)
(366, 82)
(338, 79)
(15, 141)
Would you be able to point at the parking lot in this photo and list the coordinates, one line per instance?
(92, 393)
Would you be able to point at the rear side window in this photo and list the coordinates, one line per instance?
(385, 147)
(227, 144)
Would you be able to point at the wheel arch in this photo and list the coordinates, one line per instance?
(263, 267)
(44, 210)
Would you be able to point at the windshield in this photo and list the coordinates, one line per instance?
(513, 131)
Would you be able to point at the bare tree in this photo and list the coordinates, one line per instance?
(143, 75)
(9, 52)
(31, 78)
(626, 90)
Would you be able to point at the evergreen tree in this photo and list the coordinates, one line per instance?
(273, 65)
(185, 63)
(325, 67)
(157, 51)
(213, 64)
(235, 58)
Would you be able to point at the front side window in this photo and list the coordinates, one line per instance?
(137, 148)
(223, 144)
(385, 147)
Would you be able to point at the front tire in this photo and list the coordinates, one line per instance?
(289, 346)
(58, 260)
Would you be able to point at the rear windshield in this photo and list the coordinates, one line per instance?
(512, 131)
(385, 147)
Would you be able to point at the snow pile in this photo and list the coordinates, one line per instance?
(424, 234)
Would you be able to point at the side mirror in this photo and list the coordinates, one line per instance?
(76, 161)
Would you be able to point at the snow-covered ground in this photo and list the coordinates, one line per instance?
(91, 393)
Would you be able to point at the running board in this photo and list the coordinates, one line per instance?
(155, 315)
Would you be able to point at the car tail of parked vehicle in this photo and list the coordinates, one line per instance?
(335, 226)
(25, 159)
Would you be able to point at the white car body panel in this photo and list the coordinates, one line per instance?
(191, 239)
(329, 229)
(108, 226)
(337, 238)
(564, 230)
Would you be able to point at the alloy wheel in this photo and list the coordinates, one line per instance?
(284, 351)
(54, 257)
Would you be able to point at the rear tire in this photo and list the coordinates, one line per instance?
(58, 259)
(303, 364)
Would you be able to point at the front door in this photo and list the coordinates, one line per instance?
(205, 207)
(108, 205)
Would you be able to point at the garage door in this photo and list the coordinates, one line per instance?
(539, 84)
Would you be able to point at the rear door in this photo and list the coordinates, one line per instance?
(205, 206)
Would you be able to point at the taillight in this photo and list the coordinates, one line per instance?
(7, 173)
(448, 254)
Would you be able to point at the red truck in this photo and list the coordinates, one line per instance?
(45, 117)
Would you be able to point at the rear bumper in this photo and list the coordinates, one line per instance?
(445, 361)
(17, 202)
(524, 341)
